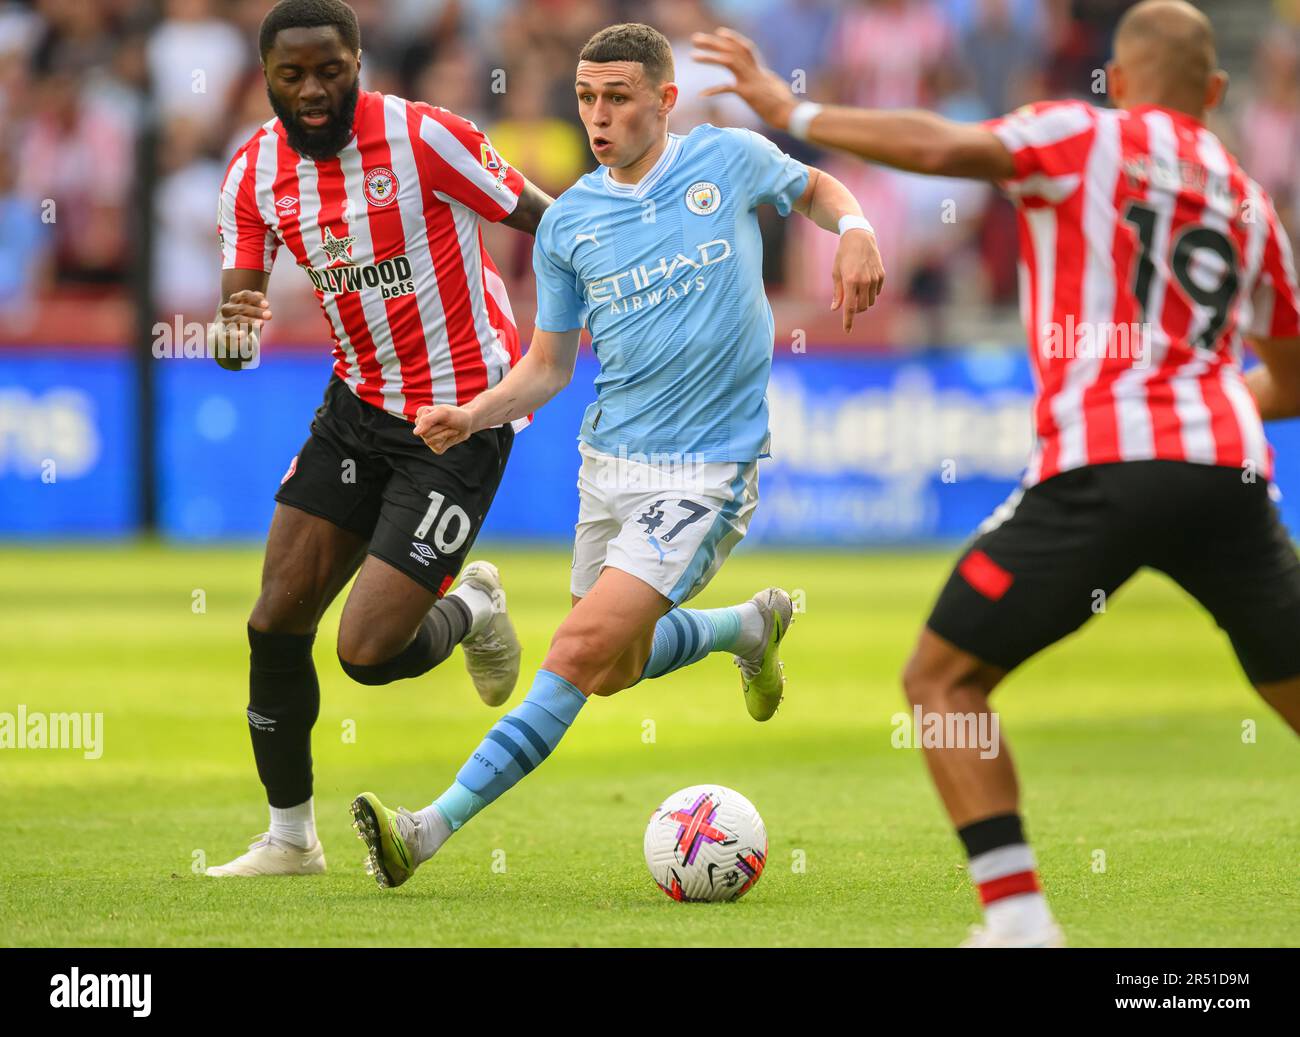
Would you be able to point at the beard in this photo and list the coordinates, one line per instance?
(330, 139)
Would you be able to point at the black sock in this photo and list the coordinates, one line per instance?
(439, 632)
(992, 833)
(283, 703)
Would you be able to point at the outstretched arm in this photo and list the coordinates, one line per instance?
(545, 369)
(858, 273)
(916, 141)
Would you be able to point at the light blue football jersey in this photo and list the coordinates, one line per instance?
(667, 274)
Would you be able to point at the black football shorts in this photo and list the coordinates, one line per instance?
(364, 470)
(1049, 559)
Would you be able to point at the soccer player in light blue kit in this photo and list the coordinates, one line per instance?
(658, 254)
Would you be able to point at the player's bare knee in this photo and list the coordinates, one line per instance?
(919, 684)
(283, 609)
(606, 685)
(359, 648)
(632, 664)
(620, 673)
(583, 658)
(358, 656)
(934, 676)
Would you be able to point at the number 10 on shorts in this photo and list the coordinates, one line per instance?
(454, 514)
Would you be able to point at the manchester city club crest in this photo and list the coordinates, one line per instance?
(703, 198)
(381, 186)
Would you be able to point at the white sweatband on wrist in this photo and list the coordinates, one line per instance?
(848, 223)
(801, 117)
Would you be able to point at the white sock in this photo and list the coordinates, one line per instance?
(1024, 915)
(751, 628)
(478, 602)
(431, 832)
(295, 826)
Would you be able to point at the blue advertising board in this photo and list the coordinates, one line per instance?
(866, 449)
(891, 450)
(68, 455)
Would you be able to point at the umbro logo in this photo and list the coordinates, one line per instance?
(260, 722)
(422, 553)
(286, 203)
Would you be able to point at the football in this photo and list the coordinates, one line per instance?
(705, 842)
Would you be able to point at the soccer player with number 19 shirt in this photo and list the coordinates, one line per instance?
(1150, 449)
(658, 254)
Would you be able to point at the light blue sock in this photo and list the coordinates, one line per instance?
(685, 636)
(517, 743)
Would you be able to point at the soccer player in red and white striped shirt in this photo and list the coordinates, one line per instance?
(378, 200)
(1147, 255)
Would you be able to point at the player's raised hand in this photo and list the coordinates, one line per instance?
(756, 84)
(858, 274)
(443, 426)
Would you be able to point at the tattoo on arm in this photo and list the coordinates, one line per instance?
(528, 212)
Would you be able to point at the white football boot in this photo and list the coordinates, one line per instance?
(265, 857)
(491, 655)
(981, 936)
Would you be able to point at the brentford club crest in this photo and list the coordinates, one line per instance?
(381, 186)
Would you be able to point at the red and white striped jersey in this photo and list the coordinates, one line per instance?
(1146, 254)
(388, 233)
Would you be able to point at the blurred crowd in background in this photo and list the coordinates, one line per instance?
(76, 75)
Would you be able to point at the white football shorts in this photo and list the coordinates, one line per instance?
(666, 519)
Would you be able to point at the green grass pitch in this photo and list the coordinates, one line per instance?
(1129, 740)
